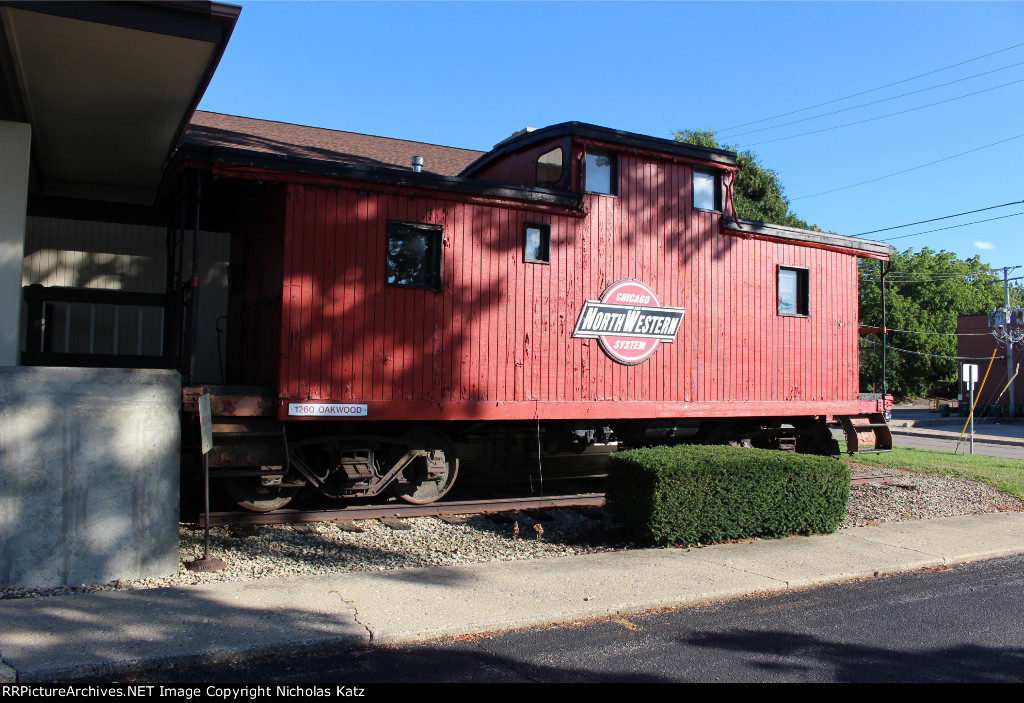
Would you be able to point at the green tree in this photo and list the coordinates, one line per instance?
(925, 291)
(757, 189)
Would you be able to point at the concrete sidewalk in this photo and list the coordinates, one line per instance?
(111, 633)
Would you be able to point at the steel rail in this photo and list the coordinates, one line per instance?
(369, 512)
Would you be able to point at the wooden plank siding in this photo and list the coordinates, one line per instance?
(495, 342)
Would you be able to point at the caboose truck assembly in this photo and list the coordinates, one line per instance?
(389, 323)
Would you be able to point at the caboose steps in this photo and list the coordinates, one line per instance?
(866, 434)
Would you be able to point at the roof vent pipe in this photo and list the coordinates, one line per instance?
(417, 164)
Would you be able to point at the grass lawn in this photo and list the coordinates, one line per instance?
(1006, 475)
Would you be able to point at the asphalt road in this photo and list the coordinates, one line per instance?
(964, 624)
(951, 443)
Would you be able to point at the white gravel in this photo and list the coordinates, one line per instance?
(278, 551)
(916, 496)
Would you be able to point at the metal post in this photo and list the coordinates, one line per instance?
(206, 562)
(885, 332)
(970, 386)
(1009, 341)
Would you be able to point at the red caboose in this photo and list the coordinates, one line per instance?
(575, 284)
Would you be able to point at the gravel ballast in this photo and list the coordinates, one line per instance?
(281, 551)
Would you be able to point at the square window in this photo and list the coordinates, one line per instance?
(537, 244)
(414, 255)
(602, 171)
(707, 191)
(794, 294)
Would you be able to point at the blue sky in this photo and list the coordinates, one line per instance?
(469, 74)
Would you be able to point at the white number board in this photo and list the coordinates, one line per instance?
(327, 409)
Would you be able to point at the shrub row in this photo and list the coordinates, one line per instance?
(688, 494)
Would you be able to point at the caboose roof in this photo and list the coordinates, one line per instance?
(268, 146)
(605, 135)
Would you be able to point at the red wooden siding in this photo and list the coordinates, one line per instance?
(496, 341)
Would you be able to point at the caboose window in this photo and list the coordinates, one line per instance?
(549, 168)
(602, 171)
(414, 255)
(707, 191)
(537, 248)
(794, 295)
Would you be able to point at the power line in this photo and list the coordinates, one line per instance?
(891, 114)
(965, 224)
(984, 278)
(936, 275)
(911, 276)
(872, 90)
(935, 356)
(992, 281)
(907, 170)
(946, 334)
(924, 278)
(936, 219)
(875, 102)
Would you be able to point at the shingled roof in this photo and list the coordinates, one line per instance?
(214, 130)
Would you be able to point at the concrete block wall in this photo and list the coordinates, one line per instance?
(89, 475)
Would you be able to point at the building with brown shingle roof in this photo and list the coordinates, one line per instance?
(302, 143)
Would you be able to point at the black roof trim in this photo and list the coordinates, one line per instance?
(868, 246)
(604, 134)
(399, 177)
(187, 20)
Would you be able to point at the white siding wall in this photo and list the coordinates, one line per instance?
(126, 257)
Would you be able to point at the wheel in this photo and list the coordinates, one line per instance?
(817, 439)
(722, 433)
(418, 488)
(250, 493)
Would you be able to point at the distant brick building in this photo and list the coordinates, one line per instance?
(982, 348)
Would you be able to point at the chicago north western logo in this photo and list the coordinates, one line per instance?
(628, 321)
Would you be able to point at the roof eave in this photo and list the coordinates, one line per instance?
(862, 247)
(395, 177)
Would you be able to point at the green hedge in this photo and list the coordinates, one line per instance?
(688, 494)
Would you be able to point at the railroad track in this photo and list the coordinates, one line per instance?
(394, 510)
(868, 480)
(454, 507)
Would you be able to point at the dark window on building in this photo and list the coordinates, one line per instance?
(549, 168)
(414, 255)
(602, 172)
(537, 245)
(794, 291)
(707, 191)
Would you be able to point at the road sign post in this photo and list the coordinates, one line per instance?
(971, 377)
(206, 562)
